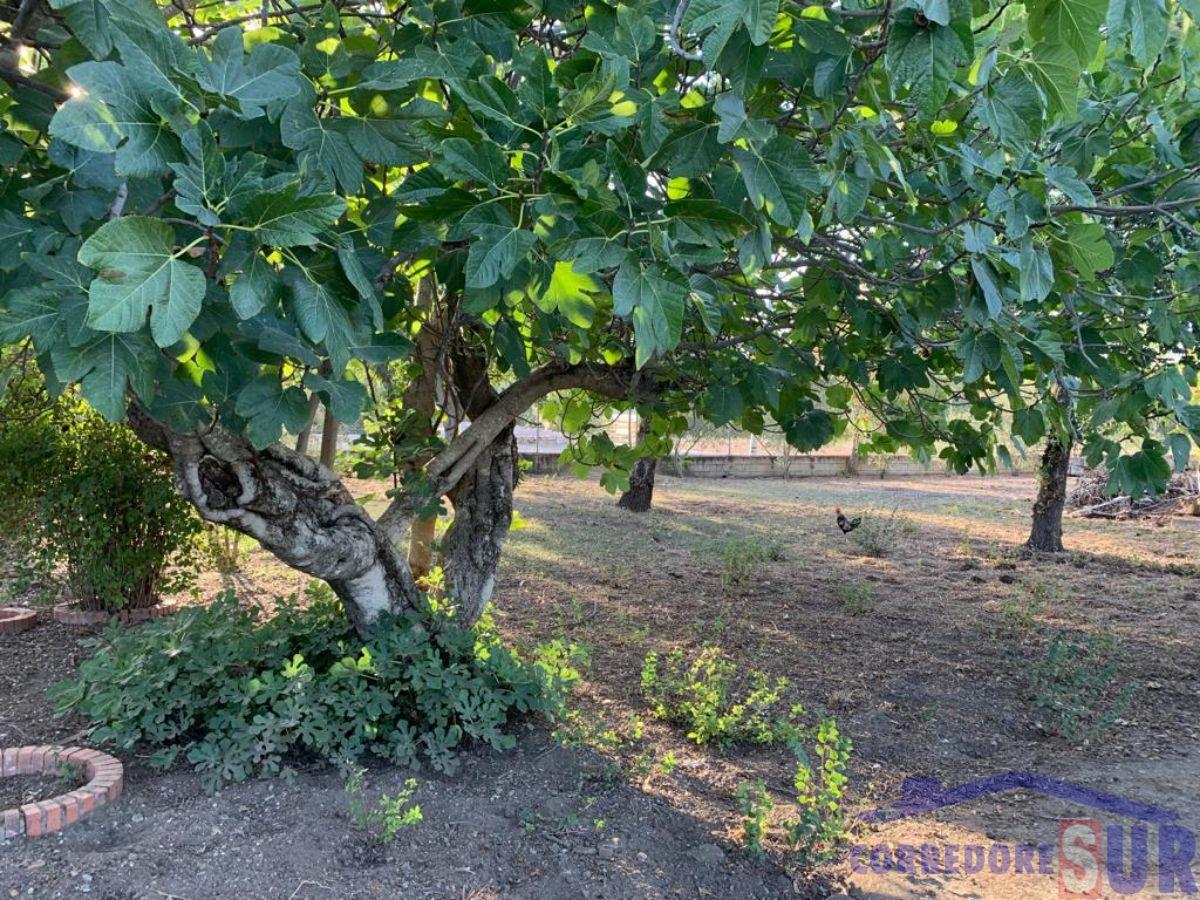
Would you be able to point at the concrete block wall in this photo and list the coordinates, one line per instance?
(761, 466)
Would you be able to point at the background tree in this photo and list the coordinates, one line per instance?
(742, 208)
(640, 493)
(1045, 531)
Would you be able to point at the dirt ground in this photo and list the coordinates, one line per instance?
(924, 656)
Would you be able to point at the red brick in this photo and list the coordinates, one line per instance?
(39, 758)
(25, 762)
(14, 620)
(34, 820)
(105, 779)
(72, 758)
(54, 815)
(99, 795)
(53, 758)
(82, 756)
(10, 761)
(74, 797)
(84, 800)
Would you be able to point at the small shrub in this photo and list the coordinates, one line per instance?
(667, 763)
(387, 818)
(881, 534)
(240, 694)
(857, 599)
(1019, 615)
(705, 696)
(578, 729)
(94, 503)
(23, 575)
(819, 829)
(755, 805)
(820, 826)
(742, 558)
(1075, 680)
(222, 549)
(111, 516)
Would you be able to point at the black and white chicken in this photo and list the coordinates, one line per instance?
(847, 525)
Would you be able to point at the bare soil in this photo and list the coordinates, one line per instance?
(17, 790)
(924, 655)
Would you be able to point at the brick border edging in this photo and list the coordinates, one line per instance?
(65, 614)
(105, 774)
(15, 619)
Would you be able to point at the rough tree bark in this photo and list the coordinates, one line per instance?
(1046, 532)
(483, 504)
(295, 507)
(641, 480)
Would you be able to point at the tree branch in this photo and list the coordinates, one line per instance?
(673, 35)
(1113, 212)
(448, 467)
(18, 79)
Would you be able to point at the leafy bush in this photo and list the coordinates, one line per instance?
(109, 514)
(30, 423)
(87, 496)
(28, 434)
(820, 827)
(1076, 681)
(1020, 612)
(881, 534)
(742, 558)
(239, 694)
(705, 696)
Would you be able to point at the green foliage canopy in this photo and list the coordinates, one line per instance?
(761, 210)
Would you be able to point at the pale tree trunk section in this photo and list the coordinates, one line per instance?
(640, 495)
(1046, 532)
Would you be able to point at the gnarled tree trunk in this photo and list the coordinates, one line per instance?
(299, 510)
(1046, 532)
(483, 503)
(641, 480)
(296, 508)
